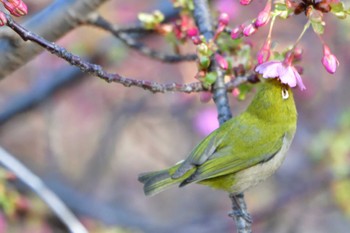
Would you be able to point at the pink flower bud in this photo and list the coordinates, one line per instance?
(16, 7)
(245, 2)
(191, 32)
(205, 97)
(329, 61)
(249, 30)
(236, 33)
(264, 16)
(265, 52)
(298, 54)
(224, 19)
(3, 19)
(221, 61)
(235, 92)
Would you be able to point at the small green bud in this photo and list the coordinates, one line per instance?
(204, 62)
(158, 16)
(150, 21)
(209, 79)
(203, 49)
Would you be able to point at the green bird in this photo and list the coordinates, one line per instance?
(242, 152)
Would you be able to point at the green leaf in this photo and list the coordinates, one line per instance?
(282, 10)
(186, 5)
(338, 9)
(244, 89)
(277, 56)
(280, 7)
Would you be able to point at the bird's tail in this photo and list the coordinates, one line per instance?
(155, 182)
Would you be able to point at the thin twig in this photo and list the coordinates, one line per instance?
(97, 70)
(100, 22)
(128, 30)
(50, 198)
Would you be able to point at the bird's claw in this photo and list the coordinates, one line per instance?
(239, 213)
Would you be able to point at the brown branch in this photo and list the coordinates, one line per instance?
(97, 70)
(121, 34)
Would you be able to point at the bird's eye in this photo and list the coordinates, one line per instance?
(285, 94)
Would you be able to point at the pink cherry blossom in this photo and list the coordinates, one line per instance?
(287, 74)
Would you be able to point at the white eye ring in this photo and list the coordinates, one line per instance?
(285, 94)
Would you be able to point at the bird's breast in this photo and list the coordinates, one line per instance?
(252, 176)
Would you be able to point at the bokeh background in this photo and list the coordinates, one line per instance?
(89, 140)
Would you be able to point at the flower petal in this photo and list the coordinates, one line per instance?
(286, 75)
(299, 80)
(269, 69)
(260, 68)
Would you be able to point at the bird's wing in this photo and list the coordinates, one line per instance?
(238, 145)
(224, 162)
(206, 148)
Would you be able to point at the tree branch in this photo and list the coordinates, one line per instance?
(97, 70)
(35, 184)
(88, 67)
(100, 22)
(203, 20)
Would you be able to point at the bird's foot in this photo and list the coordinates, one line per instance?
(239, 208)
(239, 213)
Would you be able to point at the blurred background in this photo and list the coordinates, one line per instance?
(88, 140)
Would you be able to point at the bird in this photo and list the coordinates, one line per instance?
(242, 152)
